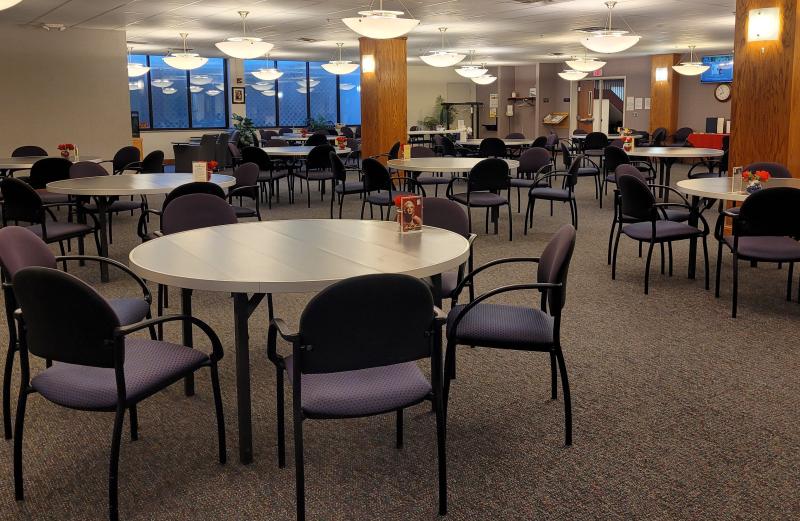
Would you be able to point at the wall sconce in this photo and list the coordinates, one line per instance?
(368, 63)
(661, 74)
(763, 24)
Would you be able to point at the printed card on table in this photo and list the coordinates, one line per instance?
(200, 171)
(410, 214)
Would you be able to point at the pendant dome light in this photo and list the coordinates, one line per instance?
(691, 68)
(200, 79)
(609, 40)
(486, 79)
(213, 92)
(270, 93)
(185, 60)
(585, 64)
(340, 66)
(5, 4)
(135, 85)
(442, 58)
(263, 86)
(470, 70)
(134, 69)
(169, 90)
(571, 75)
(380, 24)
(195, 89)
(161, 83)
(346, 86)
(267, 73)
(244, 47)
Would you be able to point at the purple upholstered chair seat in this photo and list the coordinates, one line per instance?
(117, 206)
(766, 248)
(382, 198)
(522, 182)
(243, 211)
(433, 180)
(673, 214)
(499, 325)
(350, 187)
(149, 364)
(665, 231)
(315, 175)
(362, 392)
(587, 171)
(59, 230)
(557, 194)
(481, 199)
(51, 198)
(129, 310)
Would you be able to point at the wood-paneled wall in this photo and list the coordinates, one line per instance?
(384, 98)
(664, 94)
(766, 91)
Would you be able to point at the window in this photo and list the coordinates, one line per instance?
(140, 94)
(323, 93)
(292, 94)
(260, 96)
(209, 94)
(350, 98)
(168, 98)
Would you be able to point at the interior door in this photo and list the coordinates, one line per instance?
(585, 105)
(601, 109)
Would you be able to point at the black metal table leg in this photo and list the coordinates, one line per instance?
(188, 341)
(693, 221)
(243, 307)
(102, 214)
(667, 173)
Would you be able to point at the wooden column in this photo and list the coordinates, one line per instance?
(664, 93)
(765, 116)
(384, 101)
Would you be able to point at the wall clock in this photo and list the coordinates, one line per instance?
(723, 92)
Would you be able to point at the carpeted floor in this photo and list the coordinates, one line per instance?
(680, 412)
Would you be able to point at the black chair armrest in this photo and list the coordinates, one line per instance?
(279, 327)
(671, 190)
(141, 227)
(145, 291)
(471, 275)
(246, 191)
(216, 346)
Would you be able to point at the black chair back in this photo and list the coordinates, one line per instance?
(234, 151)
(638, 201)
(318, 158)
(492, 147)
(539, 142)
(571, 177)
(337, 166)
(21, 248)
(554, 267)
(515, 135)
(29, 151)
(48, 170)
(659, 136)
(489, 175)
(86, 169)
(316, 140)
(770, 211)
(595, 141)
(246, 175)
(775, 170)
(445, 214)
(193, 211)
(376, 176)
(628, 169)
(347, 132)
(343, 328)
(195, 187)
(394, 151)
(221, 150)
(257, 156)
(533, 160)
(422, 152)
(153, 163)
(566, 155)
(682, 134)
(65, 319)
(184, 155)
(448, 147)
(126, 156)
(284, 130)
(20, 201)
(208, 148)
(614, 156)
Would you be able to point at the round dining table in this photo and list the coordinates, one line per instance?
(514, 143)
(26, 163)
(302, 139)
(105, 188)
(453, 165)
(298, 152)
(256, 259)
(668, 156)
(580, 137)
(720, 189)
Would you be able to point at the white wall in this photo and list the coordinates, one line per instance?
(426, 82)
(64, 87)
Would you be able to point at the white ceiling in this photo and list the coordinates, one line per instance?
(503, 32)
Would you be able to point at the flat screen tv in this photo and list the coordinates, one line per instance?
(720, 71)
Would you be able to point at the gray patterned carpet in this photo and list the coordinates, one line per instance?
(680, 412)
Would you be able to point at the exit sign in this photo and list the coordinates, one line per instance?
(598, 72)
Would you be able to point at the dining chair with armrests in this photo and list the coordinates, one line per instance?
(316, 140)
(344, 365)
(25, 151)
(380, 189)
(449, 215)
(485, 184)
(587, 168)
(194, 187)
(533, 162)
(492, 147)
(434, 179)
(126, 158)
(97, 365)
(48, 170)
(341, 186)
(246, 186)
(317, 167)
(517, 327)
(564, 194)
(613, 157)
(269, 176)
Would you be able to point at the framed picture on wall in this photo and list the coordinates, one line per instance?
(237, 95)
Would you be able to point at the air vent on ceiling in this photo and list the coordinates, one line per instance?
(307, 40)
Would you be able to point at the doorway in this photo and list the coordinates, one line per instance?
(601, 105)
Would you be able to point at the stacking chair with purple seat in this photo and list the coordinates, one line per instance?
(639, 203)
(341, 186)
(126, 158)
(269, 176)
(492, 147)
(98, 366)
(195, 187)
(20, 248)
(345, 365)
(449, 215)
(48, 170)
(380, 189)
(613, 157)
(544, 190)
(25, 151)
(432, 178)
(521, 328)
(315, 140)
(766, 228)
(533, 162)
(246, 186)
(317, 167)
(587, 167)
(485, 184)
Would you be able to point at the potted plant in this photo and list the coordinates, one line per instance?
(248, 134)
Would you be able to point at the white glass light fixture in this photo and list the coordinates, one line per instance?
(244, 47)
(304, 90)
(195, 89)
(340, 66)
(135, 85)
(185, 60)
(5, 4)
(380, 24)
(470, 70)
(263, 86)
(270, 93)
(692, 67)
(486, 79)
(763, 24)
(213, 92)
(312, 82)
(267, 73)
(609, 40)
(161, 83)
(134, 69)
(442, 58)
(220, 86)
(572, 75)
(585, 64)
(662, 74)
(200, 79)
(346, 86)
(169, 90)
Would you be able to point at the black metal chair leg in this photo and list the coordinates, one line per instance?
(9, 367)
(735, 284)
(134, 421)
(553, 377)
(510, 224)
(279, 409)
(789, 282)
(300, 480)
(647, 268)
(399, 429)
(113, 469)
(614, 255)
(223, 452)
(441, 446)
(19, 425)
(719, 268)
(705, 258)
(562, 368)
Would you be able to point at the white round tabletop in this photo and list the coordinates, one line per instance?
(24, 163)
(295, 256)
(301, 151)
(298, 137)
(508, 142)
(129, 184)
(609, 136)
(675, 152)
(726, 188)
(442, 164)
(434, 132)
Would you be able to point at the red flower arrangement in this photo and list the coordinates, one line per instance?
(341, 141)
(759, 175)
(65, 149)
(210, 167)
